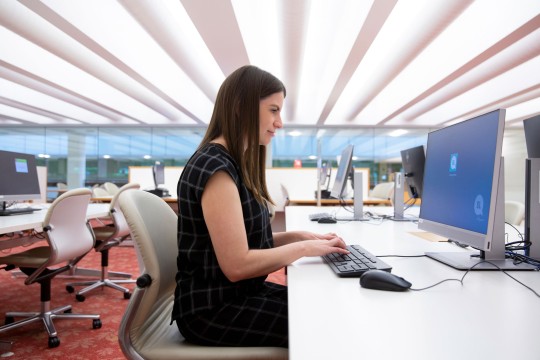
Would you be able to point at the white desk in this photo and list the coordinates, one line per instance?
(490, 317)
(34, 220)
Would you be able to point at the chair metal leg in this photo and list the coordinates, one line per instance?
(46, 316)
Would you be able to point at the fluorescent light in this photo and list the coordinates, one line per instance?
(398, 132)
(106, 156)
(294, 133)
(258, 21)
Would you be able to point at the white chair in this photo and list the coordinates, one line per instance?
(514, 212)
(107, 237)
(145, 331)
(382, 190)
(111, 188)
(69, 238)
(100, 193)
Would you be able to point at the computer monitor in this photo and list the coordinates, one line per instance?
(343, 173)
(463, 192)
(413, 160)
(531, 127)
(18, 178)
(158, 171)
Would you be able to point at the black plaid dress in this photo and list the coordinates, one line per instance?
(208, 308)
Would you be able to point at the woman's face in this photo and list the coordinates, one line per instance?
(270, 117)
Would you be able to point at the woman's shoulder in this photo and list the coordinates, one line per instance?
(212, 155)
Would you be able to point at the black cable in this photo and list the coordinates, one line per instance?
(471, 268)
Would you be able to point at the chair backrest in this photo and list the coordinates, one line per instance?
(68, 232)
(111, 188)
(514, 212)
(382, 190)
(153, 230)
(61, 186)
(120, 224)
(100, 193)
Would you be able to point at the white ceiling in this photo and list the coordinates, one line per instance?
(344, 62)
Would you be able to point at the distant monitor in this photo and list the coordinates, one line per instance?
(532, 137)
(413, 160)
(158, 170)
(18, 178)
(343, 173)
(463, 192)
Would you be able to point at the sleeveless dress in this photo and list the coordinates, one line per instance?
(208, 308)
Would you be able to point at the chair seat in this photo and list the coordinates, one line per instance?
(163, 341)
(104, 232)
(34, 257)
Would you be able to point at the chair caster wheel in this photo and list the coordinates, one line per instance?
(80, 298)
(127, 295)
(54, 342)
(70, 289)
(96, 324)
(9, 320)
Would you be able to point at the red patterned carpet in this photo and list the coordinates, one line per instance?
(78, 339)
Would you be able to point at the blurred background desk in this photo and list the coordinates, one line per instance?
(172, 201)
(34, 221)
(334, 318)
(334, 202)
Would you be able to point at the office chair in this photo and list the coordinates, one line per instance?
(107, 237)
(69, 238)
(99, 192)
(382, 190)
(514, 212)
(111, 188)
(145, 331)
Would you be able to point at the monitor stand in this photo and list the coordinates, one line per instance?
(476, 261)
(358, 200)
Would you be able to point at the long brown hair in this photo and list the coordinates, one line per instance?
(236, 117)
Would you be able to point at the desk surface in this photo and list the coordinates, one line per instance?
(34, 220)
(109, 198)
(488, 317)
(326, 202)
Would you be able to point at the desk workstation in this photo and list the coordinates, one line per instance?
(34, 221)
(333, 317)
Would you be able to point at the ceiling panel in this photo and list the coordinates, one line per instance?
(346, 63)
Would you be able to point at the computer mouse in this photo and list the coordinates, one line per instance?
(383, 280)
(326, 220)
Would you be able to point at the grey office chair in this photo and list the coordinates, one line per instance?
(145, 331)
(69, 238)
(107, 237)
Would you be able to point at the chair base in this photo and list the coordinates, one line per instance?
(97, 284)
(47, 316)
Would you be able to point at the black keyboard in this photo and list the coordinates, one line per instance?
(356, 263)
(18, 211)
(317, 216)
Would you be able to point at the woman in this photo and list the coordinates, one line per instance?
(225, 242)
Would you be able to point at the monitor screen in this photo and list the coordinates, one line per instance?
(413, 160)
(344, 168)
(158, 170)
(463, 190)
(532, 136)
(19, 178)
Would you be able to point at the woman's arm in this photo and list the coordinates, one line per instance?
(224, 219)
(288, 237)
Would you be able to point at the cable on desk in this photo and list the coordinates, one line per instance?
(471, 268)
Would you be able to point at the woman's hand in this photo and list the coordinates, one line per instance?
(320, 247)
